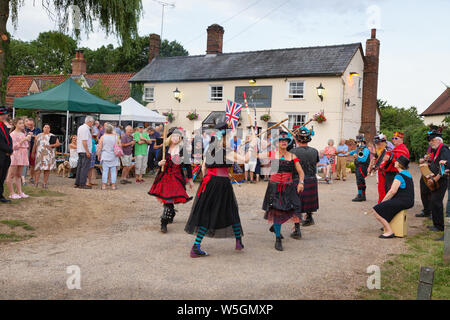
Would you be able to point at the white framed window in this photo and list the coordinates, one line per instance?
(149, 94)
(297, 119)
(360, 84)
(295, 89)
(215, 92)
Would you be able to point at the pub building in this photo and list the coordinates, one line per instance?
(338, 81)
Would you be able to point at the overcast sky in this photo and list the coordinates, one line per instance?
(414, 35)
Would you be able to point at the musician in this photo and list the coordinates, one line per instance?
(424, 191)
(382, 157)
(6, 149)
(361, 166)
(398, 198)
(309, 157)
(399, 149)
(437, 181)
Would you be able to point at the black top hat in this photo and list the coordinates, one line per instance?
(175, 130)
(140, 125)
(433, 134)
(284, 136)
(404, 161)
(3, 110)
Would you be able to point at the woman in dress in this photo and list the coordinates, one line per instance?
(44, 153)
(73, 157)
(169, 186)
(215, 211)
(399, 197)
(107, 157)
(19, 158)
(330, 152)
(282, 202)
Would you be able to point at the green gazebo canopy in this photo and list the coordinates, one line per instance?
(68, 96)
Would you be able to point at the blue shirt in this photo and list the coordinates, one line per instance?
(235, 144)
(366, 154)
(343, 148)
(324, 160)
(401, 179)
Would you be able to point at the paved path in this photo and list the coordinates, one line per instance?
(127, 258)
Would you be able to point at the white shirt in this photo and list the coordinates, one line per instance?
(84, 133)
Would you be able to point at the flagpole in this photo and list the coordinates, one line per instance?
(248, 113)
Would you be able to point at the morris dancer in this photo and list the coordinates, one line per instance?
(169, 186)
(6, 150)
(381, 159)
(309, 157)
(281, 202)
(215, 211)
(361, 167)
(399, 150)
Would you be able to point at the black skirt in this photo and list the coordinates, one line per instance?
(215, 209)
(388, 209)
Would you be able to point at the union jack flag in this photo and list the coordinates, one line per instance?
(232, 113)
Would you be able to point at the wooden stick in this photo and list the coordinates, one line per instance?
(287, 129)
(164, 142)
(307, 122)
(274, 126)
(252, 127)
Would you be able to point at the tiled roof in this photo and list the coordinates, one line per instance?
(117, 83)
(310, 61)
(440, 106)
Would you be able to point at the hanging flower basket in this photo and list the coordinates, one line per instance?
(170, 116)
(265, 117)
(319, 117)
(192, 115)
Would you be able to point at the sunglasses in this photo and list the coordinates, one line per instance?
(395, 138)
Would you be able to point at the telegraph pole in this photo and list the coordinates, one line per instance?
(163, 5)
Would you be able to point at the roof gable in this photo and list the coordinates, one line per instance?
(309, 61)
(440, 106)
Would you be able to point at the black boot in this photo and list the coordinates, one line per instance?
(271, 229)
(358, 198)
(172, 212)
(422, 214)
(296, 234)
(163, 226)
(278, 244)
(309, 221)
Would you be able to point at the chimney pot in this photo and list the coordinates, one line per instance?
(79, 63)
(215, 39)
(374, 33)
(154, 46)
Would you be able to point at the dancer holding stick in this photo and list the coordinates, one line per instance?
(164, 142)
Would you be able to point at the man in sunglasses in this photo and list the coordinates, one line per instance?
(399, 150)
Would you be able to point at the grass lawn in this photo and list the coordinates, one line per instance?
(18, 230)
(400, 275)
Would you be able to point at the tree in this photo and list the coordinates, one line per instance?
(119, 17)
(172, 49)
(50, 53)
(393, 118)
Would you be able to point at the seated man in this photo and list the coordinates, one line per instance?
(325, 165)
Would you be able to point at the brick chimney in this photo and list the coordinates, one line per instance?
(370, 87)
(155, 44)
(215, 39)
(79, 63)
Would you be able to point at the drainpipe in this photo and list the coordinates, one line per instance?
(341, 129)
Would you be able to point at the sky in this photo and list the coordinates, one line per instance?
(414, 35)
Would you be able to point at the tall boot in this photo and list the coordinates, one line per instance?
(278, 244)
(165, 218)
(309, 221)
(296, 234)
(172, 213)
